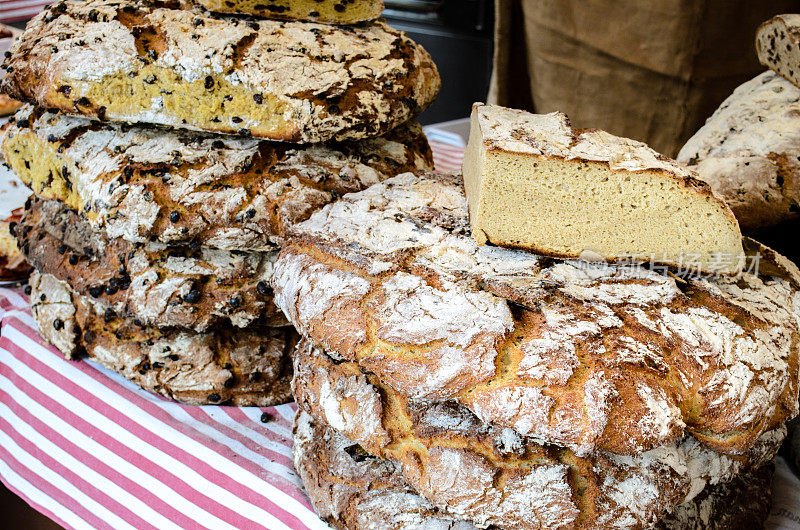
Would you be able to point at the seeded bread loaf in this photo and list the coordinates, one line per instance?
(584, 355)
(353, 490)
(289, 81)
(145, 184)
(195, 288)
(494, 476)
(325, 11)
(534, 182)
(749, 149)
(778, 46)
(237, 367)
(12, 262)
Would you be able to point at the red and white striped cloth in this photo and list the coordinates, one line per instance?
(13, 10)
(91, 450)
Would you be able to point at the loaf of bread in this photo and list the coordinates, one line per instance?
(778, 45)
(494, 476)
(533, 182)
(583, 355)
(228, 366)
(353, 490)
(291, 81)
(749, 151)
(325, 11)
(197, 288)
(12, 262)
(143, 184)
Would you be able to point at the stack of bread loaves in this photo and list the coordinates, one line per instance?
(169, 149)
(445, 384)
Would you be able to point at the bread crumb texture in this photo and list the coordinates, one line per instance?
(326, 11)
(749, 151)
(491, 475)
(536, 183)
(197, 288)
(151, 184)
(584, 355)
(228, 366)
(778, 46)
(289, 81)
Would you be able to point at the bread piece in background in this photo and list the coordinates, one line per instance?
(8, 105)
(535, 183)
(778, 45)
(324, 11)
(748, 151)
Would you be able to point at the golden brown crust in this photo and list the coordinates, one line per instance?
(237, 367)
(141, 183)
(13, 266)
(353, 490)
(161, 62)
(587, 356)
(492, 475)
(195, 288)
(8, 105)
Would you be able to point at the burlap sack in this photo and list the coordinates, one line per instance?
(653, 70)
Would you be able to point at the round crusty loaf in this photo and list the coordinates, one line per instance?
(238, 367)
(141, 183)
(584, 355)
(494, 476)
(195, 288)
(748, 151)
(130, 61)
(353, 490)
(324, 11)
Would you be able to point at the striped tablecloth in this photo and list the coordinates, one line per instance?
(91, 450)
(14, 10)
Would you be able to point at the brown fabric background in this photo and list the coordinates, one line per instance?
(652, 70)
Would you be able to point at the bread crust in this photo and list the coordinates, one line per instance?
(13, 266)
(289, 81)
(584, 355)
(353, 490)
(748, 151)
(495, 476)
(195, 288)
(235, 367)
(323, 11)
(144, 184)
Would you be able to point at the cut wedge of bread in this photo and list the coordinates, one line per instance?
(778, 46)
(324, 11)
(534, 182)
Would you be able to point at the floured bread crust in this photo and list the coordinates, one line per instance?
(162, 62)
(494, 476)
(325, 11)
(234, 367)
(353, 490)
(583, 355)
(197, 288)
(145, 184)
(778, 45)
(748, 151)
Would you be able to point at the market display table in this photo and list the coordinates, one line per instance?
(91, 450)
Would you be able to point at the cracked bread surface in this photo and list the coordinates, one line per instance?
(353, 490)
(152, 184)
(778, 46)
(197, 288)
(494, 476)
(161, 62)
(748, 151)
(238, 367)
(534, 182)
(324, 11)
(584, 355)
